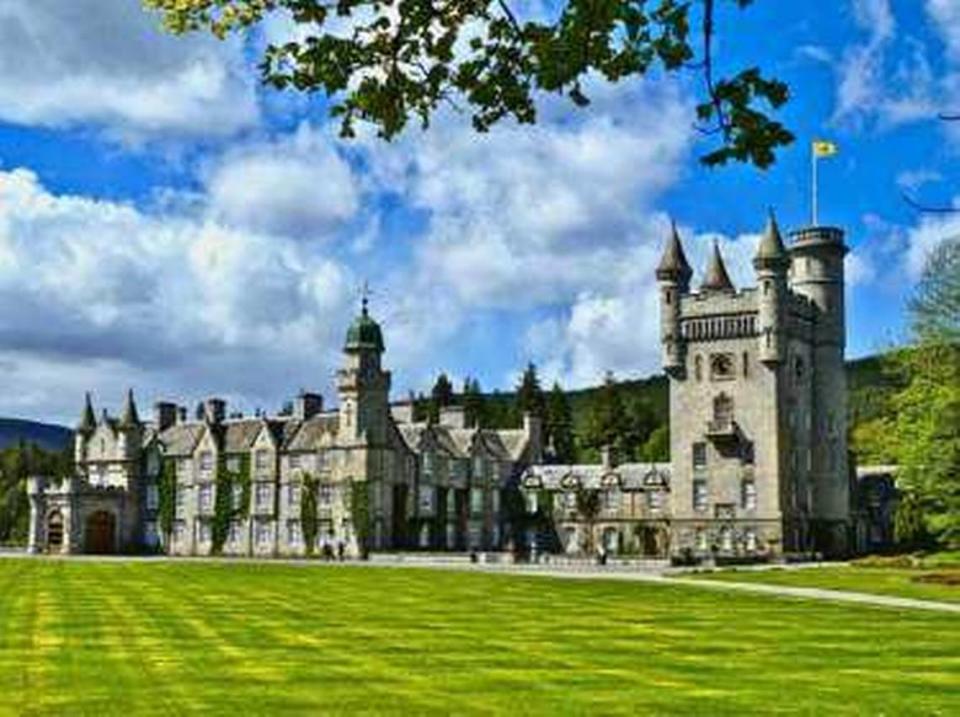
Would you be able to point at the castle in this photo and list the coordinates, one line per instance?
(758, 447)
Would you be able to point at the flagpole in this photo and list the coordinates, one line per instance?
(813, 162)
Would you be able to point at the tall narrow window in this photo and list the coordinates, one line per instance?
(748, 495)
(698, 368)
(746, 365)
(699, 495)
(699, 455)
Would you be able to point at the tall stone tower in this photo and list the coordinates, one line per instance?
(817, 274)
(757, 399)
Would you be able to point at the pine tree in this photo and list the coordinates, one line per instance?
(559, 425)
(474, 406)
(529, 394)
(441, 396)
(641, 421)
(607, 419)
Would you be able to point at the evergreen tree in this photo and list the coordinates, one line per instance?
(607, 418)
(641, 421)
(559, 426)
(529, 394)
(657, 447)
(440, 396)
(474, 407)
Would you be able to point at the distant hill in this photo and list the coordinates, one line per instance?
(45, 435)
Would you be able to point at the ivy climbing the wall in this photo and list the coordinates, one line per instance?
(360, 515)
(225, 509)
(308, 512)
(167, 497)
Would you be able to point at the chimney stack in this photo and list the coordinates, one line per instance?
(164, 414)
(307, 405)
(214, 410)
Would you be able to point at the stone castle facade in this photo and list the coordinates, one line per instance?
(759, 463)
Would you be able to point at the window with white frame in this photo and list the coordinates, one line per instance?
(699, 495)
(263, 533)
(294, 533)
(206, 461)
(611, 499)
(427, 463)
(235, 536)
(205, 532)
(750, 539)
(425, 498)
(726, 538)
(179, 531)
(183, 468)
(701, 539)
(206, 497)
(495, 497)
(699, 455)
(654, 500)
(748, 494)
(532, 501)
(153, 496)
(263, 496)
(262, 460)
(150, 535)
(181, 498)
(476, 501)
(233, 464)
(236, 497)
(294, 461)
(478, 466)
(293, 494)
(325, 494)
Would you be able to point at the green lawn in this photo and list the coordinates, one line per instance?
(921, 583)
(182, 637)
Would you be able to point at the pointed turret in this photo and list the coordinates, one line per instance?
(771, 250)
(129, 417)
(88, 422)
(673, 264)
(716, 277)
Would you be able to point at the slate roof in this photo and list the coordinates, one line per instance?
(181, 439)
(307, 435)
(505, 445)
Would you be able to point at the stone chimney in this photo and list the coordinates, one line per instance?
(608, 456)
(307, 405)
(402, 412)
(164, 414)
(533, 427)
(453, 417)
(214, 410)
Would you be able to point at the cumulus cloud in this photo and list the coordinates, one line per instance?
(167, 303)
(297, 186)
(108, 64)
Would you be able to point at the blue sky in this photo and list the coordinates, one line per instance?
(169, 225)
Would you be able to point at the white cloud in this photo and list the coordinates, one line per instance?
(87, 62)
(170, 304)
(296, 186)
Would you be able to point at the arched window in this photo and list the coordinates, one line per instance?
(698, 367)
(746, 364)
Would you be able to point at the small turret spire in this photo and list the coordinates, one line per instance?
(771, 249)
(129, 418)
(88, 421)
(716, 277)
(673, 264)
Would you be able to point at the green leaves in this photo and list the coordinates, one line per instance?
(390, 62)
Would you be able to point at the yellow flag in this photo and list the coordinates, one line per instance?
(822, 148)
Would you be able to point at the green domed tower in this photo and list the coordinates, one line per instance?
(363, 385)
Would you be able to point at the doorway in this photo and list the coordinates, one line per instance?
(101, 531)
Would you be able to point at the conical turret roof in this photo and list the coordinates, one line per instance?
(88, 422)
(129, 417)
(771, 247)
(674, 262)
(716, 277)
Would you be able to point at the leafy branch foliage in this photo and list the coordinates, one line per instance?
(360, 514)
(309, 521)
(388, 62)
(225, 510)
